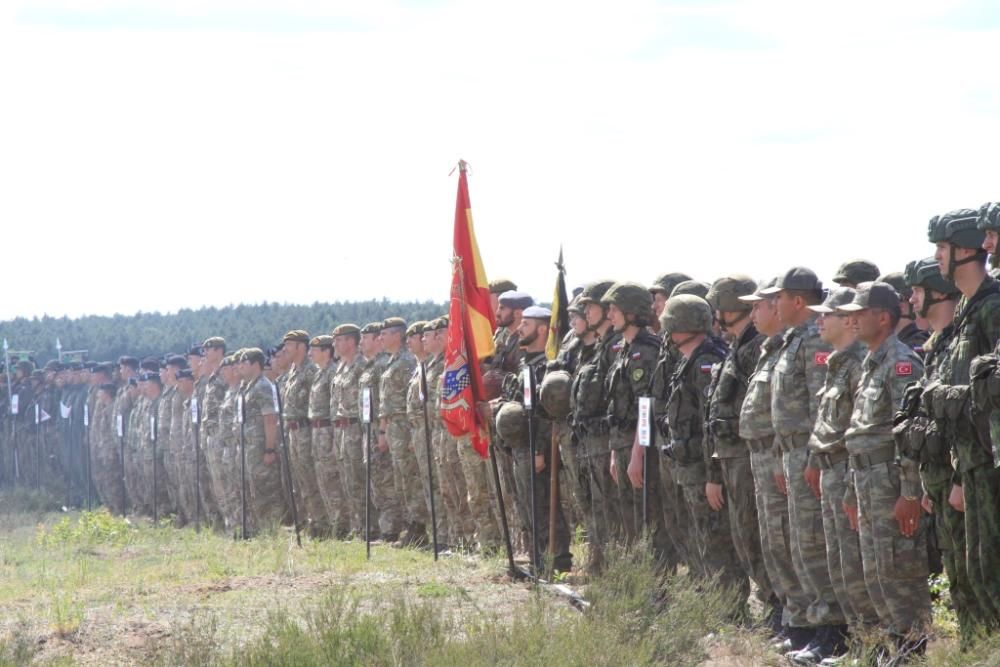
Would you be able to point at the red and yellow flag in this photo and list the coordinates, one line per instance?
(470, 330)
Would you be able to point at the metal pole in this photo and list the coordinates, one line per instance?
(241, 415)
(197, 464)
(529, 393)
(366, 416)
(553, 491)
(646, 437)
(514, 573)
(153, 418)
(86, 451)
(38, 445)
(430, 463)
(121, 448)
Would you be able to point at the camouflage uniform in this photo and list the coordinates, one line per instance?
(212, 443)
(686, 409)
(383, 486)
(392, 413)
(505, 361)
(345, 406)
(106, 470)
(798, 377)
(324, 451)
(913, 336)
(169, 472)
(728, 457)
(295, 394)
(757, 429)
(266, 495)
(138, 482)
(418, 438)
(524, 463)
(448, 461)
(829, 454)
(180, 444)
(226, 442)
(895, 566)
(123, 407)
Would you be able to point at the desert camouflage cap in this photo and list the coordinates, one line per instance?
(835, 299)
(856, 271)
(347, 329)
(873, 295)
(393, 323)
(214, 343)
(296, 336)
(321, 341)
(666, 282)
(501, 285)
(725, 293)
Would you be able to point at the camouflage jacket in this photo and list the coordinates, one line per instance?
(393, 383)
(797, 379)
(321, 391)
(886, 372)
(227, 428)
(728, 389)
(914, 336)
(164, 416)
(123, 406)
(589, 390)
(345, 397)
(295, 390)
(210, 406)
(630, 378)
(369, 378)
(260, 400)
(513, 390)
(755, 412)
(843, 377)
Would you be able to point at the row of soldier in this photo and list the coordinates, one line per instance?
(810, 441)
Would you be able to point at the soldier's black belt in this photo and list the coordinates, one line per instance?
(320, 423)
(345, 422)
(883, 454)
(826, 461)
(296, 424)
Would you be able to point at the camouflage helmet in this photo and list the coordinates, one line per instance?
(629, 298)
(725, 293)
(961, 228)
(593, 292)
(926, 273)
(691, 287)
(989, 217)
(574, 305)
(512, 424)
(666, 282)
(553, 393)
(686, 313)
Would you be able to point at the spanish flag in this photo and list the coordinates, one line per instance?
(559, 323)
(470, 330)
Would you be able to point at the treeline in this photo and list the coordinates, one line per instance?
(145, 334)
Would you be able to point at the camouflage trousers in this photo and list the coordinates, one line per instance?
(480, 490)
(199, 482)
(170, 475)
(106, 470)
(895, 566)
(981, 485)
(309, 502)
(843, 548)
(505, 467)
(738, 486)
(329, 480)
(406, 471)
(225, 484)
(807, 540)
(454, 491)
(350, 445)
(568, 470)
(949, 525)
(670, 525)
(266, 501)
(596, 494)
(137, 485)
(561, 558)
(629, 505)
(775, 534)
(713, 536)
(418, 439)
(157, 495)
(391, 518)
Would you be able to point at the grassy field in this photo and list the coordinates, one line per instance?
(92, 589)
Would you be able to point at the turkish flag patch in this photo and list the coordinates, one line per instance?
(904, 368)
(820, 358)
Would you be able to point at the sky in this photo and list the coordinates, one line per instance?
(170, 154)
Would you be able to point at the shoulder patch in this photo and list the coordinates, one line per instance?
(637, 355)
(637, 374)
(617, 346)
(706, 368)
(904, 368)
(820, 358)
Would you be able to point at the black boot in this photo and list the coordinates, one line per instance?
(830, 641)
(796, 639)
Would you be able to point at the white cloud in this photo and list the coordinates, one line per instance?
(156, 169)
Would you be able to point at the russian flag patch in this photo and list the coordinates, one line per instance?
(706, 368)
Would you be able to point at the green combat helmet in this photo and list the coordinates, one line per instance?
(960, 229)
(594, 293)
(926, 273)
(631, 298)
(512, 425)
(989, 220)
(553, 394)
(724, 296)
(686, 313)
(666, 282)
(692, 287)
(856, 271)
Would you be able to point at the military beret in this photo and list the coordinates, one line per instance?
(873, 295)
(253, 355)
(175, 360)
(149, 377)
(150, 364)
(516, 300)
(298, 336)
(898, 283)
(436, 324)
(501, 285)
(106, 368)
(835, 299)
(393, 322)
(108, 387)
(228, 360)
(855, 272)
(196, 351)
(537, 313)
(215, 342)
(185, 374)
(797, 278)
(89, 365)
(131, 362)
(372, 328)
(321, 341)
(346, 330)
(416, 328)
